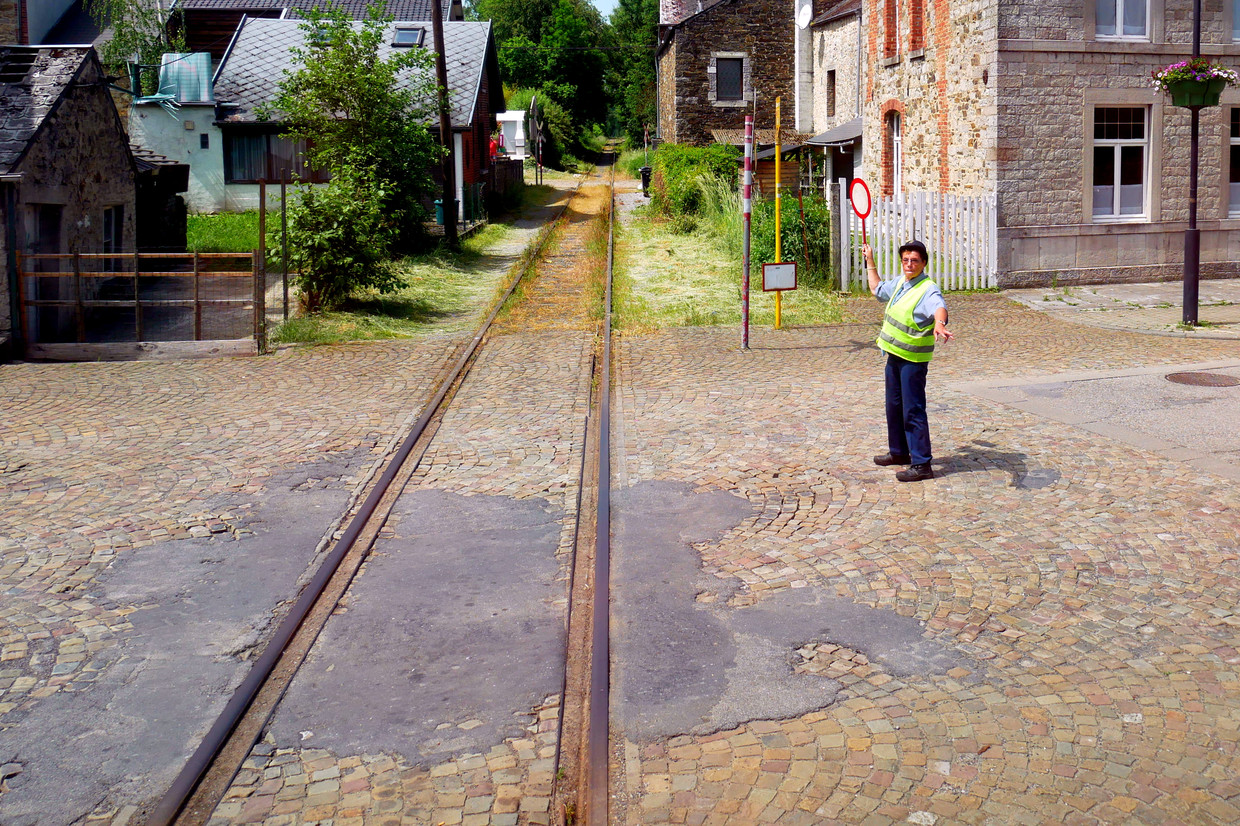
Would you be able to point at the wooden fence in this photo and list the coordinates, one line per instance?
(130, 305)
(959, 232)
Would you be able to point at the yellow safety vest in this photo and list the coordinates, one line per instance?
(901, 336)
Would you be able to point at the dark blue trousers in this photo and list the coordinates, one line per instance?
(908, 430)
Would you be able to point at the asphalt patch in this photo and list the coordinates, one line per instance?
(200, 606)
(684, 666)
(450, 640)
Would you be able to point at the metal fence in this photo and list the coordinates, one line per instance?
(960, 233)
(107, 298)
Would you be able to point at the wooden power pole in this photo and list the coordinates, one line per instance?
(445, 128)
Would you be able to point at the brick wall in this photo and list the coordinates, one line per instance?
(763, 30)
(946, 92)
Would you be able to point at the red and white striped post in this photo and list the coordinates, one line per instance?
(747, 209)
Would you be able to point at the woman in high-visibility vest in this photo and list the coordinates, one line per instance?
(915, 318)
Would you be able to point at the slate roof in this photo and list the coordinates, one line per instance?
(255, 63)
(399, 9)
(835, 11)
(32, 81)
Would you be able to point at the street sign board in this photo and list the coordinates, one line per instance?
(779, 277)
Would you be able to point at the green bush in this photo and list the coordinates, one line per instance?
(677, 169)
(340, 239)
(812, 269)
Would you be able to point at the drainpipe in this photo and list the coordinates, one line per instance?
(8, 186)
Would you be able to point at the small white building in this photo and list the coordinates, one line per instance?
(512, 134)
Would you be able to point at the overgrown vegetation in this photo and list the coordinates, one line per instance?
(683, 255)
(440, 290)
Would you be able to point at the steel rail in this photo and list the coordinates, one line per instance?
(600, 646)
(186, 782)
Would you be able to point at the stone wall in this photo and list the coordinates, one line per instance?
(946, 94)
(835, 49)
(1047, 230)
(80, 160)
(10, 24)
(665, 71)
(763, 31)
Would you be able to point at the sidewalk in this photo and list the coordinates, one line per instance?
(1147, 308)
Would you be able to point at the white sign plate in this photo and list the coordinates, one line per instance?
(779, 277)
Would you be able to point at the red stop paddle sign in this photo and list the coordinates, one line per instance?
(859, 196)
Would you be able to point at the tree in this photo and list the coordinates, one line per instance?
(138, 28)
(363, 120)
(635, 23)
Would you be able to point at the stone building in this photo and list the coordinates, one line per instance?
(66, 172)
(1047, 105)
(837, 86)
(717, 62)
(23, 22)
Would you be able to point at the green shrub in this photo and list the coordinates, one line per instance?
(814, 268)
(340, 239)
(224, 231)
(677, 168)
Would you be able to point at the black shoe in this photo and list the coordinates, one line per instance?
(916, 473)
(889, 459)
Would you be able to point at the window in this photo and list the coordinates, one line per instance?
(204, 141)
(408, 36)
(891, 26)
(1235, 19)
(916, 25)
(1122, 18)
(1121, 145)
(253, 156)
(1233, 198)
(892, 155)
(831, 93)
(729, 78)
(113, 229)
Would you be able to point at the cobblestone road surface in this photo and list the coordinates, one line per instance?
(1045, 633)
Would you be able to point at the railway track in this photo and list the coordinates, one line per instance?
(565, 296)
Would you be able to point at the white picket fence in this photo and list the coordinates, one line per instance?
(960, 233)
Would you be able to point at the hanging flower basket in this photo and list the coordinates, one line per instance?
(1196, 82)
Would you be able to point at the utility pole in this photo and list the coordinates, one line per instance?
(1192, 238)
(445, 128)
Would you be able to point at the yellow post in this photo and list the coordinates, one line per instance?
(779, 257)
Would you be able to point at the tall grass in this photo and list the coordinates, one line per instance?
(224, 231)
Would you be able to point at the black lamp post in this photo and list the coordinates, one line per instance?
(1192, 238)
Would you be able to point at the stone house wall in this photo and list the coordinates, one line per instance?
(944, 94)
(1052, 64)
(10, 23)
(80, 160)
(835, 50)
(762, 31)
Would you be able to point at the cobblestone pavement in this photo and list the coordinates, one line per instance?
(107, 464)
(155, 517)
(484, 750)
(1152, 307)
(1046, 633)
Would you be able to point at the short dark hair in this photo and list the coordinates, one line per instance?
(917, 247)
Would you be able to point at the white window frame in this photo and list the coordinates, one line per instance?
(1119, 21)
(897, 153)
(1116, 217)
(1233, 200)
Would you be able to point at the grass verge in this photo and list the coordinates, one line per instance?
(224, 231)
(664, 279)
(442, 292)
